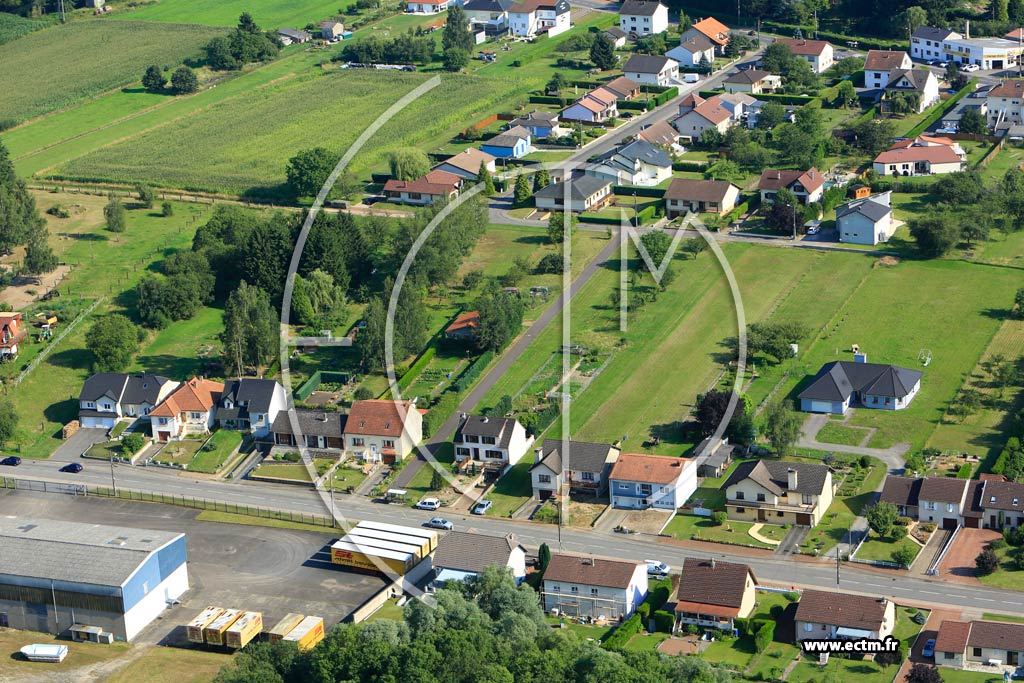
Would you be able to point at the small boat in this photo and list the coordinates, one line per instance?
(45, 653)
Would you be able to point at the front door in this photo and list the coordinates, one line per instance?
(761, 516)
(164, 436)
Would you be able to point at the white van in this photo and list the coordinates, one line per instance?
(691, 78)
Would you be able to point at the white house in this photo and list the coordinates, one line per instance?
(466, 164)
(641, 18)
(826, 615)
(491, 441)
(642, 481)
(250, 404)
(992, 646)
(107, 397)
(818, 53)
(685, 195)
(693, 47)
(616, 36)
(807, 186)
(1005, 103)
(461, 555)
(942, 501)
(531, 17)
(584, 585)
(842, 383)
(926, 42)
(581, 465)
(636, 163)
(434, 187)
(752, 82)
(491, 15)
(710, 113)
(427, 6)
(651, 69)
(865, 221)
(921, 156)
(383, 431)
(919, 81)
(736, 103)
(188, 410)
(586, 193)
(879, 63)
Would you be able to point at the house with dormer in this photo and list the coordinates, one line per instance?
(580, 466)
(491, 442)
(107, 397)
(778, 492)
(189, 410)
(635, 163)
(807, 186)
(250, 404)
(920, 83)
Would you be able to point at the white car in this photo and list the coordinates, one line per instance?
(970, 67)
(656, 569)
(429, 504)
(482, 507)
(813, 230)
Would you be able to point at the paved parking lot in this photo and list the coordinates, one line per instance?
(958, 565)
(274, 571)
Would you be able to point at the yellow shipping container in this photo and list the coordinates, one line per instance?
(202, 620)
(284, 627)
(214, 633)
(245, 628)
(307, 634)
(429, 536)
(351, 555)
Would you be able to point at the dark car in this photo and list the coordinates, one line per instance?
(74, 468)
(12, 461)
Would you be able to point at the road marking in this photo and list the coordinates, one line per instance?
(978, 599)
(929, 593)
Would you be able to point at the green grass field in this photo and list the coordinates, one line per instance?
(13, 26)
(878, 549)
(224, 442)
(267, 13)
(87, 58)
(687, 527)
(172, 665)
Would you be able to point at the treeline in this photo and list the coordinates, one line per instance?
(21, 225)
(405, 48)
(486, 631)
(245, 44)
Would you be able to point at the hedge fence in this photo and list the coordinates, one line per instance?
(941, 110)
(318, 378)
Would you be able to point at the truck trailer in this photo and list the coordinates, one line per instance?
(245, 628)
(196, 626)
(307, 634)
(430, 537)
(214, 633)
(284, 627)
(361, 557)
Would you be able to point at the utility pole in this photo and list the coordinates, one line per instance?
(60, 8)
(113, 484)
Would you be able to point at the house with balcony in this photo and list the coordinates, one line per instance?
(490, 15)
(686, 195)
(712, 594)
(529, 18)
(636, 163)
(189, 410)
(11, 334)
(106, 397)
(490, 442)
(1005, 103)
(991, 646)
(807, 186)
(841, 616)
(560, 466)
(778, 492)
(640, 481)
(716, 31)
(317, 429)
(640, 18)
(597, 587)
(383, 431)
(586, 193)
(251, 405)
(752, 82)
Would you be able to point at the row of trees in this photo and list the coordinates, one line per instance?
(405, 48)
(183, 80)
(21, 224)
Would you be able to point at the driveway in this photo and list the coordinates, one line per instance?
(79, 442)
(892, 457)
(929, 630)
(958, 565)
(499, 208)
(641, 521)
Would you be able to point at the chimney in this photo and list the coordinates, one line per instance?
(486, 419)
(792, 479)
(538, 454)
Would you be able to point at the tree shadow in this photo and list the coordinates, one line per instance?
(997, 313)
(71, 358)
(533, 239)
(61, 412)
(85, 236)
(178, 367)
(668, 432)
(280, 193)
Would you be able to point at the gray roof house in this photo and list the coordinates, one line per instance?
(865, 221)
(490, 441)
(586, 193)
(840, 384)
(461, 555)
(250, 404)
(108, 396)
(651, 69)
(319, 429)
(291, 35)
(580, 465)
(636, 163)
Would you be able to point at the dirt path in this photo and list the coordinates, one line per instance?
(24, 291)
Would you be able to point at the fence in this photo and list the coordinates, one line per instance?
(56, 340)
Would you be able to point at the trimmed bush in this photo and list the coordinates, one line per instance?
(691, 166)
(622, 635)
(470, 374)
(942, 109)
(664, 621)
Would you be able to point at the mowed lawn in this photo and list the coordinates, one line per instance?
(172, 665)
(63, 65)
(267, 13)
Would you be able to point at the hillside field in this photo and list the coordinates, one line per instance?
(270, 14)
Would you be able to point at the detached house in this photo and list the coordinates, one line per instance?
(107, 397)
(580, 465)
(540, 124)
(644, 481)
(491, 15)
(988, 643)
(1004, 103)
(652, 69)
(817, 53)
(513, 143)
(824, 615)
(879, 64)
(491, 441)
(807, 186)
(841, 383)
(596, 106)
(713, 593)
(865, 221)
(461, 556)
(685, 195)
(777, 492)
(427, 6)
(586, 193)
(251, 405)
(436, 186)
(752, 82)
(463, 328)
(189, 409)
(587, 586)
(716, 31)
(663, 135)
(531, 17)
(331, 30)
(641, 18)
(623, 88)
(317, 429)
(636, 163)
(710, 113)
(921, 82)
(383, 431)
(11, 334)
(290, 36)
(466, 164)
(693, 48)
(737, 104)
(923, 155)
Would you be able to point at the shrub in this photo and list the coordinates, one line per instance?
(964, 472)
(928, 527)
(362, 393)
(644, 610)
(792, 596)
(904, 555)
(59, 211)
(132, 443)
(292, 456)
(719, 518)
(986, 562)
(764, 636)
(620, 636)
(664, 621)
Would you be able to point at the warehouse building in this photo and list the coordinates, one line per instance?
(94, 581)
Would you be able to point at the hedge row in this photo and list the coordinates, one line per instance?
(447, 404)
(838, 38)
(417, 367)
(630, 190)
(622, 635)
(469, 375)
(737, 211)
(547, 99)
(663, 97)
(942, 109)
(692, 166)
(787, 99)
(634, 105)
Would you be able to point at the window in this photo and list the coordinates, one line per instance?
(949, 507)
(389, 443)
(196, 416)
(358, 442)
(544, 478)
(780, 513)
(574, 589)
(1016, 501)
(760, 498)
(947, 655)
(976, 652)
(587, 476)
(740, 495)
(497, 455)
(807, 499)
(808, 627)
(929, 505)
(555, 587)
(488, 440)
(461, 450)
(645, 488)
(593, 591)
(470, 438)
(740, 511)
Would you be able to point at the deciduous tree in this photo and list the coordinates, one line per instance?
(250, 337)
(408, 163)
(184, 81)
(153, 80)
(112, 340)
(781, 427)
(308, 170)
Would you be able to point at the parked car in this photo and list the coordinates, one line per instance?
(482, 507)
(929, 648)
(942, 65)
(73, 468)
(656, 569)
(11, 460)
(813, 230)
(429, 504)
(933, 62)
(691, 78)
(439, 523)
(970, 67)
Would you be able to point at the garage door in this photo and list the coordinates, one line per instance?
(949, 523)
(820, 406)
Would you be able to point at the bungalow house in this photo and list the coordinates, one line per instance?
(716, 31)
(588, 586)
(596, 106)
(712, 594)
(586, 193)
(463, 328)
(331, 30)
(491, 15)
(922, 83)
(107, 397)
(380, 430)
(251, 405)
(641, 18)
(11, 334)
(189, 409)
(752, 82)
(710, 113)
(777, 492)
(461, 556)
(926, 42)
(826, 615)
(841, 383)
(582, 465)
(616, 36)
(931, 141)
(736, 104)
(427, 6)
(643, 481)
(636, 163)
(807, 186)
(491, 441)
(291, 36)
(662, 134)
(513, 143)
(880, 63)
(651, 69)
(466, 164)
(318, 429)
(685, 195)
(623, 88)
(531, 17)
(1004, 103)
(714, 456)
(980, 643)
(693, 48)
(754, 112)
(540, 124)
(817, 53)
(912, 157)
(434, 187)
(865, 221)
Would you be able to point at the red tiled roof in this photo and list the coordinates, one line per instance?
(656, 469)
(195, 395)
(952, 636)
(841, 609)
(706, 608)
(590, 571)
(885, 60)
(1007, 89)
(713, 29)
(691, 100)
(377, 417)
(803, 47)
(772, 179)
(469, 319)
(712, 584)
(422, 185)
(712, 110)
(938, 154)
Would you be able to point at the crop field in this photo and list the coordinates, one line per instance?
(86, 58)
(270, 14)
(12, 26)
